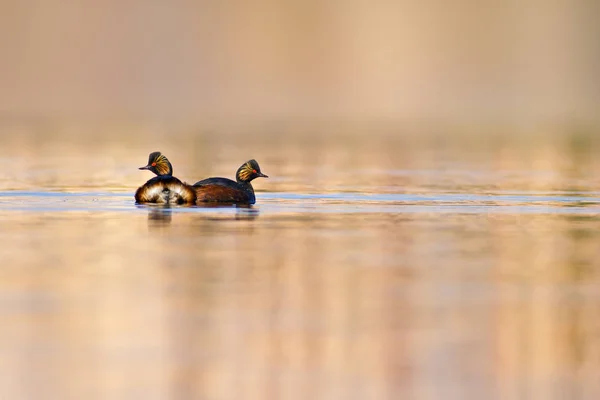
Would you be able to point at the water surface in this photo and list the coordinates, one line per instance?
(370, 267)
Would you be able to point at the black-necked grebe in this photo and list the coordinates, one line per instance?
(223, 190)
(164, 188)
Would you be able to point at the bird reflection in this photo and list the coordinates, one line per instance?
(242, 212)
(159, 216)
(246, 212)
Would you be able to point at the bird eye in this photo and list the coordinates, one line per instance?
(253, 171)
(154, 164)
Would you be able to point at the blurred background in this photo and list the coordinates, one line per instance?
(429, 229)
(466, 61)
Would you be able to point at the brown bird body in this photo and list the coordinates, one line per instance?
(223, 190)
(164, 188)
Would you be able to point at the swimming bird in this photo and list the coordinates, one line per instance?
(164, 188)
(223, 190)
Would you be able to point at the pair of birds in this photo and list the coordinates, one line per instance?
(164, 188)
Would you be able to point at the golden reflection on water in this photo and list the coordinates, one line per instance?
(344, 306)
(265, 304)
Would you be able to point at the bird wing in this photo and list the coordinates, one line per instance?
(214, 192)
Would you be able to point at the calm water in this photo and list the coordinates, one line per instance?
(371, 267)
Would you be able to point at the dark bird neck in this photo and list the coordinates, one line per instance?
(247, 187)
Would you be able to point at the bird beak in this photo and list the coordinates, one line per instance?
(146, 167)
(261, 175)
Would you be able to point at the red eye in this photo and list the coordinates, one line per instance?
(253, 171)
(154, 164)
